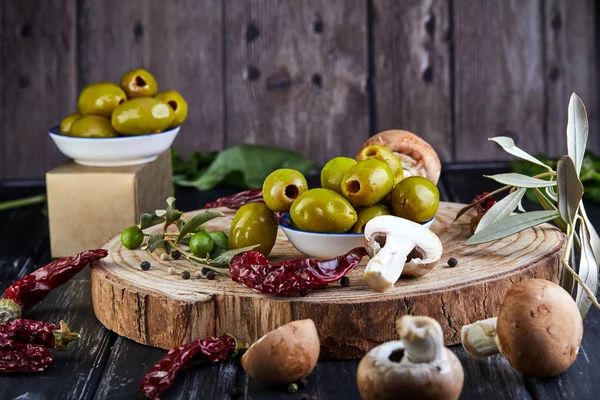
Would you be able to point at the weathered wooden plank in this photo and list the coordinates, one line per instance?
(570, 66)
(411, 70)
(38, 82)
(296, 75)
(498, 82)
(178, 41)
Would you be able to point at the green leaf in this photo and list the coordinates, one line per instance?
(577, 131)
(196, 221)
(511, 225)
(155, 241)
(501, 209)
(520, 180)
(224, 259)
(147, 220)
(172, 214)
(548, 205)
(570, 189)
(592, 234)
(588, 273)
(248, 165)
(509, 146)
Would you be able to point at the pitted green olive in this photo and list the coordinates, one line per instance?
(367, 183)
(415, 198)
(322, 210)
(142, 115)
(253, 224)
(368, 213)
(384, 154)
(282, 187)
(333, 172)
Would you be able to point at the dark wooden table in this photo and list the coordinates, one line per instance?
(103, 365)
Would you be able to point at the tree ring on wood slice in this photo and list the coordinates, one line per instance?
(163, 310)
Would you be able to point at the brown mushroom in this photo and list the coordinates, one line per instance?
(416, 155)
(416, 367)
(285, 354)
(538, 329)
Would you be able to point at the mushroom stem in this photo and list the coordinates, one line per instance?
(422, 337)
(386, 264)
(479, 338)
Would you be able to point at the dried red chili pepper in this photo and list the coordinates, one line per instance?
(24, 331)
(20, 357)
(33, 288)
(290, 277)
(485, 204)
(237, 200)
(214, 349)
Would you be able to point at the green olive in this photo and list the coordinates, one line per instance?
(282, 187)
(67, 123)
(177, 104)
(253, 224)
(92, 126)
(132, 237)
(368, 213)
(139, 83)
(100, 99)
(415, 198)
(322, 210)
(333, 172)
(201, 244)
(220, 239)
(384, 154)
(367, 183)
(141, 116)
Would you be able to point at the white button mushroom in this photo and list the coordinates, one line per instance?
(538, 329)
(417, 366)
(389, 241)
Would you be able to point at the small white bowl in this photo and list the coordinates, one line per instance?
(114, 152)
(324, 245)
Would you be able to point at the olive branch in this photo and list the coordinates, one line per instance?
(560, 193)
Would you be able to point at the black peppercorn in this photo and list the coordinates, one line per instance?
(176, 255)
(452, 262)
(185, 275)
(293, 388)
(205, 271)
(345, 281)
(145, 265)
(211, 275)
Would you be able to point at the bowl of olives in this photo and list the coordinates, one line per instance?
(118, 125)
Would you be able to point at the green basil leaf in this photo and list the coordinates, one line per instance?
(509, 146)
(196, 221)
(547, 204)
(224, 259)
(147, 220)
(511, 225)
(520, 180)
(570, 189)
(577, 131)
(588, 273)
(501, 209)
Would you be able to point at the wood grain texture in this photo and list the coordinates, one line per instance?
(37, 82)
(162, 310)
(178, 41)
(411, 70)
(296, 75)
(570, 66)
(499, 87)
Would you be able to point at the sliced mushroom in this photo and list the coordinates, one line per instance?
(416, 155)
(389, 241)
(417, 366)
(538, 329)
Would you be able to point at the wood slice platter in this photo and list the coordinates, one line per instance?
(162, 310)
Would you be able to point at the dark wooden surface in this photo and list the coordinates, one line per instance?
(317, 76)
(103, 365)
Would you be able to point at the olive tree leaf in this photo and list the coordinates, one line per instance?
(592, 234)
(511, 225)
(473, 204)
(224, 259)
(551, 192)
(570, 189)
(520, 180)
(147, 220)
(155, 241)
(172, 214)
(501, 209)
(588, 273)
(577, 131)
(196, 221)
(547, 204)
(509, 146)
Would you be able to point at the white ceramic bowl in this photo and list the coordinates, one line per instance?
(324, 245)
(114, 152)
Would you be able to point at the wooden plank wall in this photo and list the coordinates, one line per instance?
(317, 76)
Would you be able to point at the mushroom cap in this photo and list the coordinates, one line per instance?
(383, 373)
(539, 328)
(285, 354)
(417, 156)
